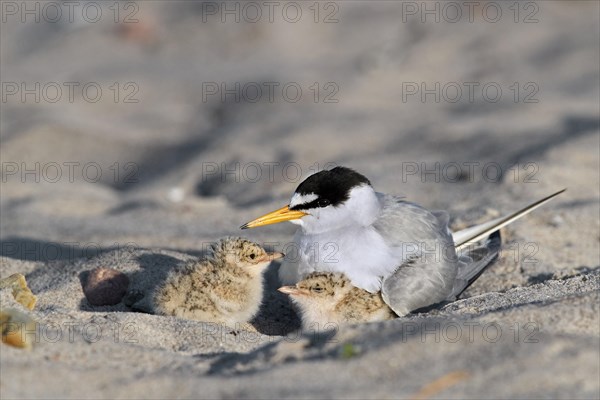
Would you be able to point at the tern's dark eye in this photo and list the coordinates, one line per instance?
(252, 256)
(323, 202)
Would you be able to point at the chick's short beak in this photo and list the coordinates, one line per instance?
(291, 290)
(276, 255)
(274, 217)
(271, 256)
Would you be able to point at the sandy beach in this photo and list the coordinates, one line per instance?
(134, 138)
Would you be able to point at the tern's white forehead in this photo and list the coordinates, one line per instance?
(298, 198)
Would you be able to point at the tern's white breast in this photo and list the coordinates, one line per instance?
(359, 252)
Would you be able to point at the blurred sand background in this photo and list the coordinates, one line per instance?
(180, 148)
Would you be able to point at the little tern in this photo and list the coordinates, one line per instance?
(380, 241)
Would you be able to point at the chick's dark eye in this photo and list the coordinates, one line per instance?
(252, 256)
(317, 289)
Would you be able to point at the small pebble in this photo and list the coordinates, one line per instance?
(105, 286)
(20, 290)
(16, 328)
(556, 221)
(176, 194)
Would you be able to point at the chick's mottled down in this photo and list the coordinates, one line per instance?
(225, 288)
(327, 300)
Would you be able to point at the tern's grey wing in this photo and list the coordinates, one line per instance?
(413, 284)
(418, 283)
(429, 264)
(474, 261)
(403, 222)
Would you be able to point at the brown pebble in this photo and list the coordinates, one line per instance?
(105, 286)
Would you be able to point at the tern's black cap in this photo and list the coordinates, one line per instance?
(332, 187)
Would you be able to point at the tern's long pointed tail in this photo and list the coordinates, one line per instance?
(473, 262)
(465, 237)
(475, 259)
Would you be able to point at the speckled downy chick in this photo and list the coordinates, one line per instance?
(327, 300)
(225, 288)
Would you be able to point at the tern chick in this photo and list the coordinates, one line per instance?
(327, 300)
(225, 288)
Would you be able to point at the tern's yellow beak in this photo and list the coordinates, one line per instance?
(274, 217)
